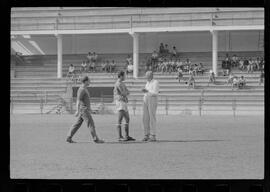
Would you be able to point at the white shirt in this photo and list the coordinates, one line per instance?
(152, 87)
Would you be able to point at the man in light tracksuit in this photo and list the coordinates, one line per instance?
(150, 102)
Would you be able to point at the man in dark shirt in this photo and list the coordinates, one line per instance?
(83, 112)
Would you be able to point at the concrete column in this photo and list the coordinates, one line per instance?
(59, 56)
(135, 54)
(215, 51)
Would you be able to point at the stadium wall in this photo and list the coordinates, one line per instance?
(122, 43)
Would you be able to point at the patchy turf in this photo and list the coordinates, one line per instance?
(191, 147)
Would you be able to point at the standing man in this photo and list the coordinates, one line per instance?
(150, 102)
(83, 112)
(120, 96)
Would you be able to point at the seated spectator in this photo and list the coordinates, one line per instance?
(261, 64)
(174, 66)
(212, 78)
(235, 82)
(104, 66)
(154, 58)
(179, 74)
(161, 48)
(129, 60)
(179, 64)
(242, 82)
(261, 80)
(112, 66)
(234, 61)
(170, 66)
(83, 67)
(164, 66)
(200, 69)
(246, 63)
(92, 67)
(191, 81)
(230, 78)
(174, 52)
(241, 64)
(108, 66)
(129, 69)
(71, 71)
(187, 65)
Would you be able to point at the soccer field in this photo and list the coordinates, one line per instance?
(188, 147)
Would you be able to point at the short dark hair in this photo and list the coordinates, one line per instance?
(84, 79)
(120, 74)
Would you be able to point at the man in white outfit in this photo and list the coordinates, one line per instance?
(150, 102)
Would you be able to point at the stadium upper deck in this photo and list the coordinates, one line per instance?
(115, 20)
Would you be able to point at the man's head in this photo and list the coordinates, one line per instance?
(149, 75)
(85, 80)
(121, 75)
(71, 65)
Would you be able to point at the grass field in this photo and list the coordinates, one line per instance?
(188, 147)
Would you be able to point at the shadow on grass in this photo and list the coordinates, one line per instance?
(158, 141)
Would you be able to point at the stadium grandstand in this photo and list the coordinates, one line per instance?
(98, 41)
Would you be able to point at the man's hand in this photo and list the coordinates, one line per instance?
(76, 113)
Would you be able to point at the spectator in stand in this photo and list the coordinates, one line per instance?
(71, 71)
(174, 66)
(200, 68)
(166, 49)
(242, 82)
(212, 78)
(170, 66)
(112, 66)
(179, 74)
(89, 57)
(191, 81)
(129, 60)
(241, 64)
(94, 57)
(230, 78)
(250, 66)
(174, 52)
(179, 64)
(261, 80)
(187, 65)
(246, 63)
(83, 67)
(262, 64)
(104, 66)
(108, 66)
(257, 62)
(161, 48)
(154, 58)
(164, 66)
(234, 61)
(129, 69)
(235, 82)
(92, 67)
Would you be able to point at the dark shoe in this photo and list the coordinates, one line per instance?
(69, 140)
(98, 141)
(129, 139)
(145, 139)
